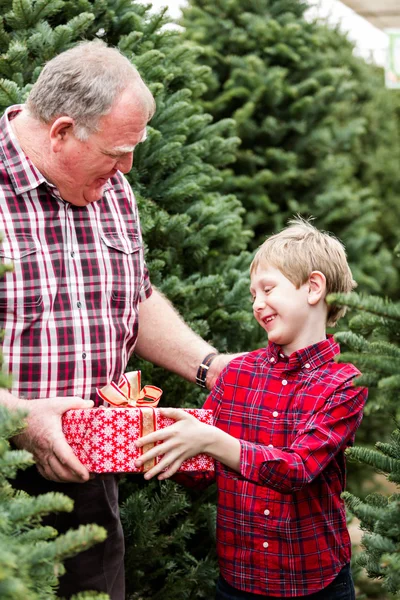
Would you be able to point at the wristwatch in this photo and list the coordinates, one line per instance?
(203, 369)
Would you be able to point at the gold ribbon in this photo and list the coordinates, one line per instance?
(127, 394)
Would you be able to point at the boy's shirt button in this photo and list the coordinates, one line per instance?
(275, 413)
(270, 445)
(284, 382)
(265, 544)
(307, 365)
(272, 360)
(266, 512)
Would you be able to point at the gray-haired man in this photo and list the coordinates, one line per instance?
(80, 287)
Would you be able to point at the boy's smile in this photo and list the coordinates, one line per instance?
(293, 317)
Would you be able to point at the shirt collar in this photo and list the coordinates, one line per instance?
(23, 173)
(311, 357)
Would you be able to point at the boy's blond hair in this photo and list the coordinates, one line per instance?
(300, 249)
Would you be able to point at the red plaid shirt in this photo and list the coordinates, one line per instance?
(281, 525)
(70, 307)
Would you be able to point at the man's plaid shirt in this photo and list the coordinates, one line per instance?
(70, 307)
(281, 525)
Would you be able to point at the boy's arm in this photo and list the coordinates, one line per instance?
(326, 433)
(284, 469)
(184, 439)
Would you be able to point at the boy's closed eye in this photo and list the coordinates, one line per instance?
(266, 291)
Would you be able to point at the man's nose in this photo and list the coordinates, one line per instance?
(125, 162)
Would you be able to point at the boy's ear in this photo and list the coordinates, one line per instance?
(316, 287)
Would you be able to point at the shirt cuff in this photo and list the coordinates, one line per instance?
(252, 459)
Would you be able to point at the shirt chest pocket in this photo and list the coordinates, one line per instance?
(22, 290)
(124, 264)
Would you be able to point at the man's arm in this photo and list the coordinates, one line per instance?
(165, 340)
(43, 436)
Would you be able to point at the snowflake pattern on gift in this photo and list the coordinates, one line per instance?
(103, 438)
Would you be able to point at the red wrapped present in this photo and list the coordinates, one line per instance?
(103, 438)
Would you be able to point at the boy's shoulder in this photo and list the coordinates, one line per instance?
(331, 369)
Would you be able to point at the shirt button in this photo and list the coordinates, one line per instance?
(72, 254)
(272, 359)
(307, 365)
(282, 355)
(266, 512)
(275, 413)
(270, 445)
(83, 354)
(79, 304)
(265, 544)
(284, 382)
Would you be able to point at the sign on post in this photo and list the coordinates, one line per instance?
(392, 71)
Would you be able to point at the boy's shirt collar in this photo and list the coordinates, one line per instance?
(308, 358)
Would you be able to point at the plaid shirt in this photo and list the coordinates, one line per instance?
(281, 524)
(70, 307)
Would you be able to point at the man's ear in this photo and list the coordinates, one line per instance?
(316, 287)
(60, 130)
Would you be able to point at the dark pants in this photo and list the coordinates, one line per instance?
(341, 588)
(101, 568)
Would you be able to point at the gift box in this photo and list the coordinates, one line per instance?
(104, 438)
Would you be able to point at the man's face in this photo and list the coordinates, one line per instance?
(80, 170)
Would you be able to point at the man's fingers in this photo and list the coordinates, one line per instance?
(70, 467)
(71, 402)
(62, 473)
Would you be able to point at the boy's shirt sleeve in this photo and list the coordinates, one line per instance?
(326, 432)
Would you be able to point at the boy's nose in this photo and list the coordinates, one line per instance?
(258, 304)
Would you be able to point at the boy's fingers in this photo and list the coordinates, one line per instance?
(171, 470)
(174, 413)
(152, 453)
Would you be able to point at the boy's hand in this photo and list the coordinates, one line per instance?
(184, 439)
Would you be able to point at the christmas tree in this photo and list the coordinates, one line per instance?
(307, 112)
(373, 345)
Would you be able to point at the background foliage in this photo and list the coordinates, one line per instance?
(260, 115)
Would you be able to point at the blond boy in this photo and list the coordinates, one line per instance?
(284, 416)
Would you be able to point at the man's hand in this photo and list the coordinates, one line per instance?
(43, 437)
(182, 440)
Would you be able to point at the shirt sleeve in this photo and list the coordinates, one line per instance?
(145, 289)
(325, 433)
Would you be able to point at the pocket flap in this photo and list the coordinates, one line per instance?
(126, 243)
(17, 246)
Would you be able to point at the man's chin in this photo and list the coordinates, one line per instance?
(94, 195)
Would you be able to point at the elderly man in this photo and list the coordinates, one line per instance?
(72, 306)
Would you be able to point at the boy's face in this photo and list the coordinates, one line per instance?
(286, 313)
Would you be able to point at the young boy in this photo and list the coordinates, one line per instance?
(284, 416)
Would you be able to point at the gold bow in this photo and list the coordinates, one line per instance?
(127, 394)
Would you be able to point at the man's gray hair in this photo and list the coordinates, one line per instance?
(83, 83)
